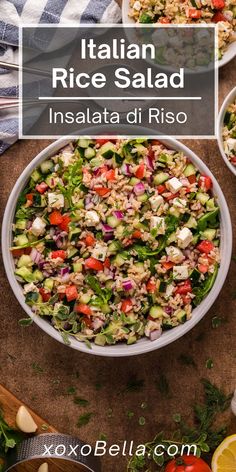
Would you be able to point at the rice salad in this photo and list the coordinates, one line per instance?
(115, 240)
(220, 12)
(229, 133)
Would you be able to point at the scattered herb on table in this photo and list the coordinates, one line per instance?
(9, 437)
(141, 421)
(71, 391)
(130, 414)
(203, 433)
(25, 322)
(81, 401)
(163, 385)
(209, 364)
(84, 419)
(134, 385)
(37, 368)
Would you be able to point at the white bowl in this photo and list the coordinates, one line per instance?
(144, 345)
(229, 54)
(228, 100)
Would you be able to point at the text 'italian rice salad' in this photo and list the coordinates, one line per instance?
(229, 133)
(220, 12)
(115, 240)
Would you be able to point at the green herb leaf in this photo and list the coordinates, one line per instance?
(25, 322)
(81, 401)
(84, 419)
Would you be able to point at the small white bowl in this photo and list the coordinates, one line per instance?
(229, 54)
(144, 345)
(228, 100)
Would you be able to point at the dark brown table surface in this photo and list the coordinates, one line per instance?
(40, 370)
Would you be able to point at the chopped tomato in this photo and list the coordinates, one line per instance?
(218, 4)
(186, 299)
(60, 253)
(140, 172)
(137, 234)
(102, 191)
(233, 160)
(202, 268)
(192, 179)
(205, 246)
(86, 320)
(41, 188)
(187, 463)
(61, 296)
(194, 13)
(161, 188)
(126, 305)
(45, 295)
(55, 218)
(71, 293)
(65, 223)
(89, 240)
(168, 265)
(151, 286)
(29, 199)
(218, 16)
(111, 175)
(151, 153)
(85, 309)
(184, 288)
(164, 20)
(107, 263)
(19, 252)
(102, 170)
(205, 182)
(102, 141)
(94, 264)
(171, 196)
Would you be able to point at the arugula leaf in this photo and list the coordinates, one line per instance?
(209, 220)
(201, 291)
(104, 293)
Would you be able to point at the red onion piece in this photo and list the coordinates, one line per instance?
(106, 228)
(118, 214)
(155, 334)
(149, 163)
(64, 270)
(139, 189)
(126, 169)
(168, 310)
(36, 256)
(127, 285)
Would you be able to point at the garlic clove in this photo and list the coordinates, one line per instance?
(43, 467)
(24, 421)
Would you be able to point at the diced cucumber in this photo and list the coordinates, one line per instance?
(48, 284)
(181, 316)
(35, 175)
(72, 252)
(191, 223)
(84, 143)
(97, 161)
(100, 340)
(131, 340)
(80, 204)
(21, 224)
(25, 273)
(133, 181)
(156, 312)
(46, 166)
(119, 260)
(142, 198)
(202, 197)
(89, 153)
(171, 238)
(21, 240)
(107, 150)
(109, 283)
(85, 298)
(190, 170)
(24, 261)
(160, 178)
(77, 267)
(174, 211)
(216, 242)
(140, 149)
(105, 309)
(210, 204)
(195, 238)
(39, 200)
(113, 221)
(38, 276)
(51, 181)
(208, 234)
(165, 158)
(114, 247)
(119, 231)
(73, 233)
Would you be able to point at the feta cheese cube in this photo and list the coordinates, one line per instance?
(231, 143)
(179, 202)
(169, 290)
(174, 185)
(180, 272)
(137, 6)
(156, 201)
(100, 252)
(92, 218)
(38, 226)
(55, 200)
(184, 238)
(175, 254)
(158, 222)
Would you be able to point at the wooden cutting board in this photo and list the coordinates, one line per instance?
(10, 404)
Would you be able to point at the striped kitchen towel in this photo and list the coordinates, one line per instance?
(14, 12)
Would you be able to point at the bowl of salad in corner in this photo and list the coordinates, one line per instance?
(227, 130)
(114, 245)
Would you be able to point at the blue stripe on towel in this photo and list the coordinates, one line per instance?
(53, 11)
(8, 33)
(19, 4)
(94, 11)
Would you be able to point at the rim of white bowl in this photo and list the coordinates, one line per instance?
(144, 345)
(229, 54)
(227, 101)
